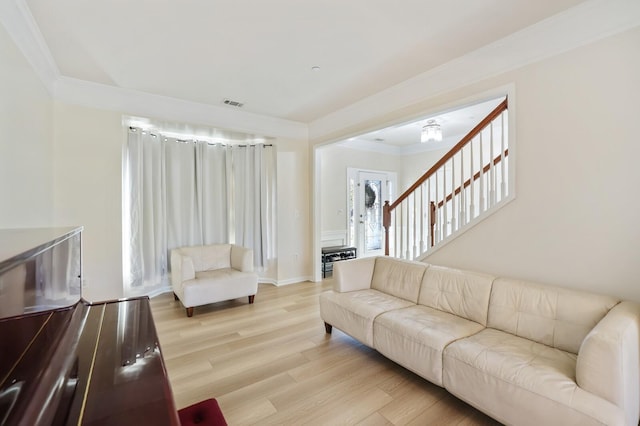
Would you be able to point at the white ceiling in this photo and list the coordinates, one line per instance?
(261, 52)
(455, 125)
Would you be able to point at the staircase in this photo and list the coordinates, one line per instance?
(469, 181)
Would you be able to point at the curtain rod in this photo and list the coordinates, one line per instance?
(132, 128)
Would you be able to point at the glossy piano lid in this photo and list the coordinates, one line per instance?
(93, 364)
(40, 269)
(21, 244)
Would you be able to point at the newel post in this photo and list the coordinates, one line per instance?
(386, 222)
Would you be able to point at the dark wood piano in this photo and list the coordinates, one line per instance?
(65, 361)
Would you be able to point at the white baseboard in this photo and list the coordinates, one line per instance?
(280, 283)
(289, 281)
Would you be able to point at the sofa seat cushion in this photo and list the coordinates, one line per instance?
(415, 337)
(354, 312)
(217, 285)
(537, 380)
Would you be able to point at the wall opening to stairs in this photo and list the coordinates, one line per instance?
(396, 147)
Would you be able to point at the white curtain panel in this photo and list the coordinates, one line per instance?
(144, 173)
(213, 194)
(184, 216)
(185, 193)
(252, 170)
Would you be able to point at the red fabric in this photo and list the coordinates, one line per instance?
(203, 413)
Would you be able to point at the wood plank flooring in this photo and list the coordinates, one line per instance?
(271, 363)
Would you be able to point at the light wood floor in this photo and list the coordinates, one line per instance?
(271, 363)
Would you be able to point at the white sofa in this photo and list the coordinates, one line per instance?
(207, 274)
(523, 353)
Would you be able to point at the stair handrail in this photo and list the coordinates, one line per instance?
(468, 182)
(388, 208)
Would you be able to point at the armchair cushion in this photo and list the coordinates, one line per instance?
(204, 258)
(241, 258)
(188, 270)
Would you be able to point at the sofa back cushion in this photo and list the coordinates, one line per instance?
(554, 316)
(462, 293)
(397, 277)
(210, 257)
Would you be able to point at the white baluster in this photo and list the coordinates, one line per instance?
(453, 196)
(422, 212)
(407, 253)
(396, 234)
(415, 224)
(429, 199)
(482, 195)
(462, 201)
(445, 217)
(503, 192)
(472, 204)
(438, 224)
(492, 172)
(400, 230)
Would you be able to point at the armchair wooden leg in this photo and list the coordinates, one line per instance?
(328, 328)
(190, 312)
(175, 297)
(251, 298)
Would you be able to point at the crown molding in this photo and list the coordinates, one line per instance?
(22, 28)
(581, 25)
(134, 102)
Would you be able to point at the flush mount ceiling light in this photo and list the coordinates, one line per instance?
(431, 132)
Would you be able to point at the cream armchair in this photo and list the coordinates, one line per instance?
(207, 274)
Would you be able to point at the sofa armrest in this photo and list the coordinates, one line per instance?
(182, 268)
(352, 275)
(608, 362)
(241, 258)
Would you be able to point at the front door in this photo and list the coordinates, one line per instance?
(370, 190)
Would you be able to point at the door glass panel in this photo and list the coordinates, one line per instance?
(372, 214)
(351, 206)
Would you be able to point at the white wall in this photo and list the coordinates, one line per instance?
(26, 188)
(574, 221)
(414, 166)
(294, 214)
(87, 170)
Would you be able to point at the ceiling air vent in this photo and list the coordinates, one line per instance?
(233, 103)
